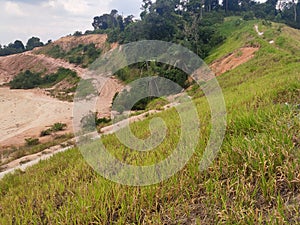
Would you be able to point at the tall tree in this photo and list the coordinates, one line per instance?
(33, 43)
(271, 7)
(211, 5)
(18, 45)
(231, 5)
(295, 2)
(290, 10)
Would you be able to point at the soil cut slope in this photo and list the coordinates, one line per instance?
(233, 60)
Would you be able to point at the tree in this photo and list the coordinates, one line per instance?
(145, 8)
(128, 20)
(111, 21)
(211, 5)
(231, 5)
(295, 9)
(271, 8)
(12, 48)
(33, 43)
(18, 45)
(289, 10)
(247, 5)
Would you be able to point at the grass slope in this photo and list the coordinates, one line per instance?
(254, 180)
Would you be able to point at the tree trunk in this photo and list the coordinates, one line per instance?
(201, 9)
(295, 10)
(226, 7)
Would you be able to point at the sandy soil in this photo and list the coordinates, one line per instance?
(25, 114)
(69, 42)
(111, 87)
(12, 65)
(30, 160)
(233, 60)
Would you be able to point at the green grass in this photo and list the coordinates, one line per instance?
(29, 80)
(238, 32)
(254, 180)
(12, 153)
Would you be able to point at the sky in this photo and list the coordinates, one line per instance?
(52, 19)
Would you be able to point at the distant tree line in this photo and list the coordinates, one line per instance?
(18, 46)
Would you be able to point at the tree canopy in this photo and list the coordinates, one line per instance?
(18, 46)
(12, 48)
(33, 43)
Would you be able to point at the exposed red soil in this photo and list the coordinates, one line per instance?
(233, 60)
(69, 42)
(25, 113)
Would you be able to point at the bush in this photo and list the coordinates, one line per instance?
(249, 15)
(83, 54)
(29, 80)
(56, 52)
(91, 121)
(77, 34)
(32, 141)
(58, 127)
(26, 80)
(267, 23)
(46, 132)
(54, 128)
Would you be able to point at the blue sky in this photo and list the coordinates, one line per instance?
(51, 19)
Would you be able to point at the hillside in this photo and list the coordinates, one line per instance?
(12, 65)
(49, 103)
(254, 180)
(69, 42)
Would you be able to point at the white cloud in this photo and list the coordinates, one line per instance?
(12, 8)
(72, 6)
(52, 19)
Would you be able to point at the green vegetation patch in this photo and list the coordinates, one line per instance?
(82, 55)
(29, 80)
(54, 128)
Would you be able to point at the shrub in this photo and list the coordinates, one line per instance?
(267, 23)
(249, 15)
(46, 132)
(58, 127)
(32, 141)
(91, 121)
(77, 34)
(54, 128)
(26, 80)
(29, 80)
